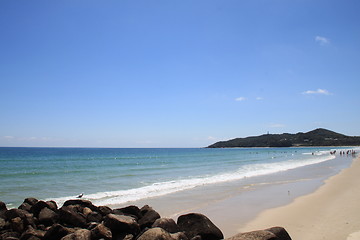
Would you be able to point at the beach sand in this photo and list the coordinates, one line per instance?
(232, 205)
(331, 212)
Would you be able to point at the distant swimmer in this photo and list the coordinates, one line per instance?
(80, 195)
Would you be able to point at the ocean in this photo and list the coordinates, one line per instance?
(114, 176)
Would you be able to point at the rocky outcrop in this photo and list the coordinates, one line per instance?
(81, 220)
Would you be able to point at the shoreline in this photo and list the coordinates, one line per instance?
(232, 205)
(331, 212)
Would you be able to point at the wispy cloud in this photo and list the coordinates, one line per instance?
(9, 137)
(211, 138)
(322, 40)
(318, 91)
(259, 98)
(239, 99)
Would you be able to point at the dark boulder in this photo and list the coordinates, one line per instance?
(25, 206)
(149, 216)
(9, 235)
(155, 234)
(255, 235)
(17, 224)
(48, 217)
(133, 211)
(56, 232)
(104, 210)
(3, 209)
(81, 202)
(101, 232)
(32, 233)
(31, 201)
(2, 223)
(94, 217)
(123, 236)
(13, 213)
(179, 236)
(26, 217)
(2, 206)
(37, 207)
(86, 211)
(121, 224)
(81, 234)
(280, 233)
(70, 217)
(52, 205)
(168, 224)
(194, 224)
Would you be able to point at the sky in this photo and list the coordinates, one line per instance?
(175, 73)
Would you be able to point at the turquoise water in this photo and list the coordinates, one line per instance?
(118, 175)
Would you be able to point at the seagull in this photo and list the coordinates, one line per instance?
(80, 195)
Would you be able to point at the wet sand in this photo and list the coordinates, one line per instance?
(331, 212)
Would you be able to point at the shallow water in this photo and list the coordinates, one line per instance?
(115, 176)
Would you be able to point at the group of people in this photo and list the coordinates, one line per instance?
(351, 151)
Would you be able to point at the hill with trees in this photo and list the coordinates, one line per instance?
(317, 137)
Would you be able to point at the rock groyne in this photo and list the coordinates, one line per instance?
(79, 219)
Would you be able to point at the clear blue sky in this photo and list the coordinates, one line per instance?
(179, 73)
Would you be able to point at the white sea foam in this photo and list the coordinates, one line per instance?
(163, 188)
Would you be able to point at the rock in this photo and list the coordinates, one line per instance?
(25, 206)
(149, 217)
(168, 224)
(94, 217)
(121, 224)
(68, 216)
(179, 236)
(17, 224)
(31, 201)
(255, 235)
(197, 237)
(13, 213)
(52, 205)
(81, 202)
(123, 236)
(32, 233)
(130, 211)
(9, 235)
(82, 234)
(32, 238)
(155, 234)
(37, 207)
(56, 232)
(3, 209)
(26, 217)
(2, 223)
(104, 210)
(2, 206)
(280, 233)
(101, 232)
(86, 211)
(48, 217)
(197, 224)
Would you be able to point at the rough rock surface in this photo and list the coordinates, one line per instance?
(194, 224)
(81, 220)
(255, 235)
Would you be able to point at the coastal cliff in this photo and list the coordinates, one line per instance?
(317, 137)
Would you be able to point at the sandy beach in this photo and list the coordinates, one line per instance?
(232, 206)
(331, 212)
